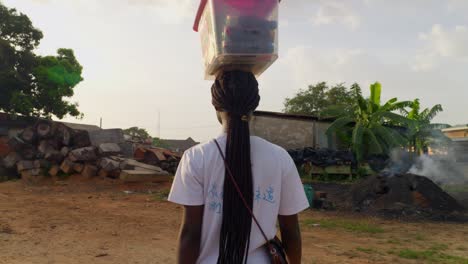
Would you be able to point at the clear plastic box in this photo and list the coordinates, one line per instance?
(238, 35)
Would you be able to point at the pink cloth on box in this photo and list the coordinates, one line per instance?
(260, 8)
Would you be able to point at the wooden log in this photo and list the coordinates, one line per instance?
(109, 149)
(54, 170)
(29, 152)
(15, 143)
(103, 173)
(64, 151)
(54, 156)
(31, 176)
(108, 164)
(89, 171)
(83, 154)
(67, 166)
(142, 166)
(62, 134)
(44, 129)
(80, 139)
(28, 135)
(26, 165)
(5, 148)
(78, 167)
(44, 163)
(11, 159)
(137, 176)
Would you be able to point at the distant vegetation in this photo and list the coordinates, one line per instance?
(368, 126)
(30, 84)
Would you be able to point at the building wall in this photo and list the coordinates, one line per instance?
(456, 134)
(291, 133)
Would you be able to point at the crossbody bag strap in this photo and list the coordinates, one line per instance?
(240, 194)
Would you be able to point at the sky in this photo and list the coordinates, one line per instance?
(142, 60)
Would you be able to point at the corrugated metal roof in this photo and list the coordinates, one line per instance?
(291, 116)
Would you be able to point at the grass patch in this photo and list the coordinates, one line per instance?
(368, 250)
(432, 255)
(419, 237)
(456, 188)
(394, 241)
(348, 225)
(161, 195)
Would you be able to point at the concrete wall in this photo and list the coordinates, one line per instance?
(291, 133)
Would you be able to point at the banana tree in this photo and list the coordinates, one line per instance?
(368, 123)
(422, 132)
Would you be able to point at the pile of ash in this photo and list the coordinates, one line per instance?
(404, 196)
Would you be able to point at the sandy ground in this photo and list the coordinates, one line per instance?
(105, 221)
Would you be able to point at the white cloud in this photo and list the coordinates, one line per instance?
(336, 12)
(440, 45)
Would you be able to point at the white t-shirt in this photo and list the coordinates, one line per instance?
(278, 190)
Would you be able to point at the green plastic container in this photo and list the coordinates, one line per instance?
(309, 191)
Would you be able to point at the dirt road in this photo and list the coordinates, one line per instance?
(104, 221)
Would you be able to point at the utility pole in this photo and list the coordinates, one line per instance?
(159, 124)
(100, 123)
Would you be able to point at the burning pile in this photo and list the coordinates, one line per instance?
(403, 195)
(51, 148)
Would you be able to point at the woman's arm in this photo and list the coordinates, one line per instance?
(291, 237)
(190, 235)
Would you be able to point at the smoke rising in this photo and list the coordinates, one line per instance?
(442, 168)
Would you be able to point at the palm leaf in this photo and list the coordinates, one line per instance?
(358, 145)
(397, 106)
(376, 91)
(387, 136)
(433, 112)
(339, 124)
(373, 142)
(395, 118)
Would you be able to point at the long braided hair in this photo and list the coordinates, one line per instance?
(236, 93)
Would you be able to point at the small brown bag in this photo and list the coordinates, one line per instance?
(274, 246)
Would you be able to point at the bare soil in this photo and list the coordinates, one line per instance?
(106, 221)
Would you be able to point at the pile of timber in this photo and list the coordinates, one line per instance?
(52, 148)
(161, 157)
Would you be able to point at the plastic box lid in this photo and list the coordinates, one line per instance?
(244, 5)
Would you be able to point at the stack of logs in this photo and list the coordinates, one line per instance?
(51, 148)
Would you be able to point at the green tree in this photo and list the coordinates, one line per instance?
(367, 123)
(137, 132)
(422, 132)
(33, 85)
(316, 98)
